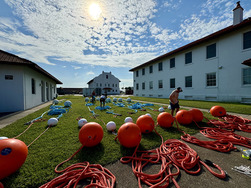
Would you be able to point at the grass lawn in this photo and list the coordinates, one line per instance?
(61, 141)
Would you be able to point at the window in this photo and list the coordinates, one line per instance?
(188, 58)
(160, 65)
(211, 79)
(97, 84)
(137, 73)
(106, 76)
(143, 85)
(211, 51)
(172, 83)
(151, 69)
(247, 40)
(143, 71)
(246, 76)
(172, 63)
(33, 86)
(8, 77)
(151, 85)
(137, 86)
(100, 85)
(160, 84)
(188, 81)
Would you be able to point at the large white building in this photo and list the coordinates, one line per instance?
(23, 84)
(215, 67)
(107, 83)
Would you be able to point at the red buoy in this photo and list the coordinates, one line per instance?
(91, 134)
(196, 114)
(218, 111)
(165, 119)
(184, 117)
(145, 123)
(129, 135)
(13, 153)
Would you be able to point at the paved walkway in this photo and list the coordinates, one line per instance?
(12, 117)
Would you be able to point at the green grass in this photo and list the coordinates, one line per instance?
(230, 107)
(61, 141)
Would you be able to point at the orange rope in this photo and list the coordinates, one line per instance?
(98, 175)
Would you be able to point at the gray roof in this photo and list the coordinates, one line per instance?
(7, 58)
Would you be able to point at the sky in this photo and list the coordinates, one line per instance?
(75, 40)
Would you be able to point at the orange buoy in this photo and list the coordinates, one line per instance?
(129, 135)
(165, 119)
(13, 153)
(91, 134)
(196, 114)
(184, 117)
(218, 111)
(145, 123)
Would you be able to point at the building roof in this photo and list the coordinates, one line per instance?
(212, 36)
(7, 58)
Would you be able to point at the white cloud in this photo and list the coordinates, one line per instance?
(90, 73)
(76, 67)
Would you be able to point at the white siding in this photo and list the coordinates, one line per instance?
(227, 66)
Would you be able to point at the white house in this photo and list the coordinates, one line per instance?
(216, 67)
(23, 84)
(107, 82)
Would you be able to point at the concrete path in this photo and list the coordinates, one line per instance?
(11, 118)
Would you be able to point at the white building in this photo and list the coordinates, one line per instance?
(215, 67)
(107, 82)
(23, 84)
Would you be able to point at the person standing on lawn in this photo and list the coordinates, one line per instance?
(174, 100)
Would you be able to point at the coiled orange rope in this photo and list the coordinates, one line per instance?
(95, 173)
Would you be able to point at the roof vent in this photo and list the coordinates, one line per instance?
(238, 14)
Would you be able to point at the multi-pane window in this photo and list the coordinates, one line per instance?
(33, 86)
(172, 83)
(137, 73)
(160, 84)
(151, 85)
(160, 65)
(188, 81)
(188, 58)
(211, 51)
(247, 40)
(143, 85)
(246, 76)
(172, 63)
(211, 79)
(151, 69)
(143, 71)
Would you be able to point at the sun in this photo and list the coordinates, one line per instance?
(94, 11)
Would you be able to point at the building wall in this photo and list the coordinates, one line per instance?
(106, 80)
(11, 91)
(48, 91)
(16, 94)
(227, 66)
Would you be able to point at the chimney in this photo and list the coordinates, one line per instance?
(238, 14)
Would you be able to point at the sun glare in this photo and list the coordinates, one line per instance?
(95, 11)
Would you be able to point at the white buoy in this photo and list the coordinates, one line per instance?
(149, 114)
(111, 126)
(82, 122)
(3, 137)
(128, 119)
(67, 103)
(169, 107)
(52, 122)
(55, 101)
(86, 99)
(161, 109)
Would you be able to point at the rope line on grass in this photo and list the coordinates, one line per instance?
(171, 154)
(98, 175)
